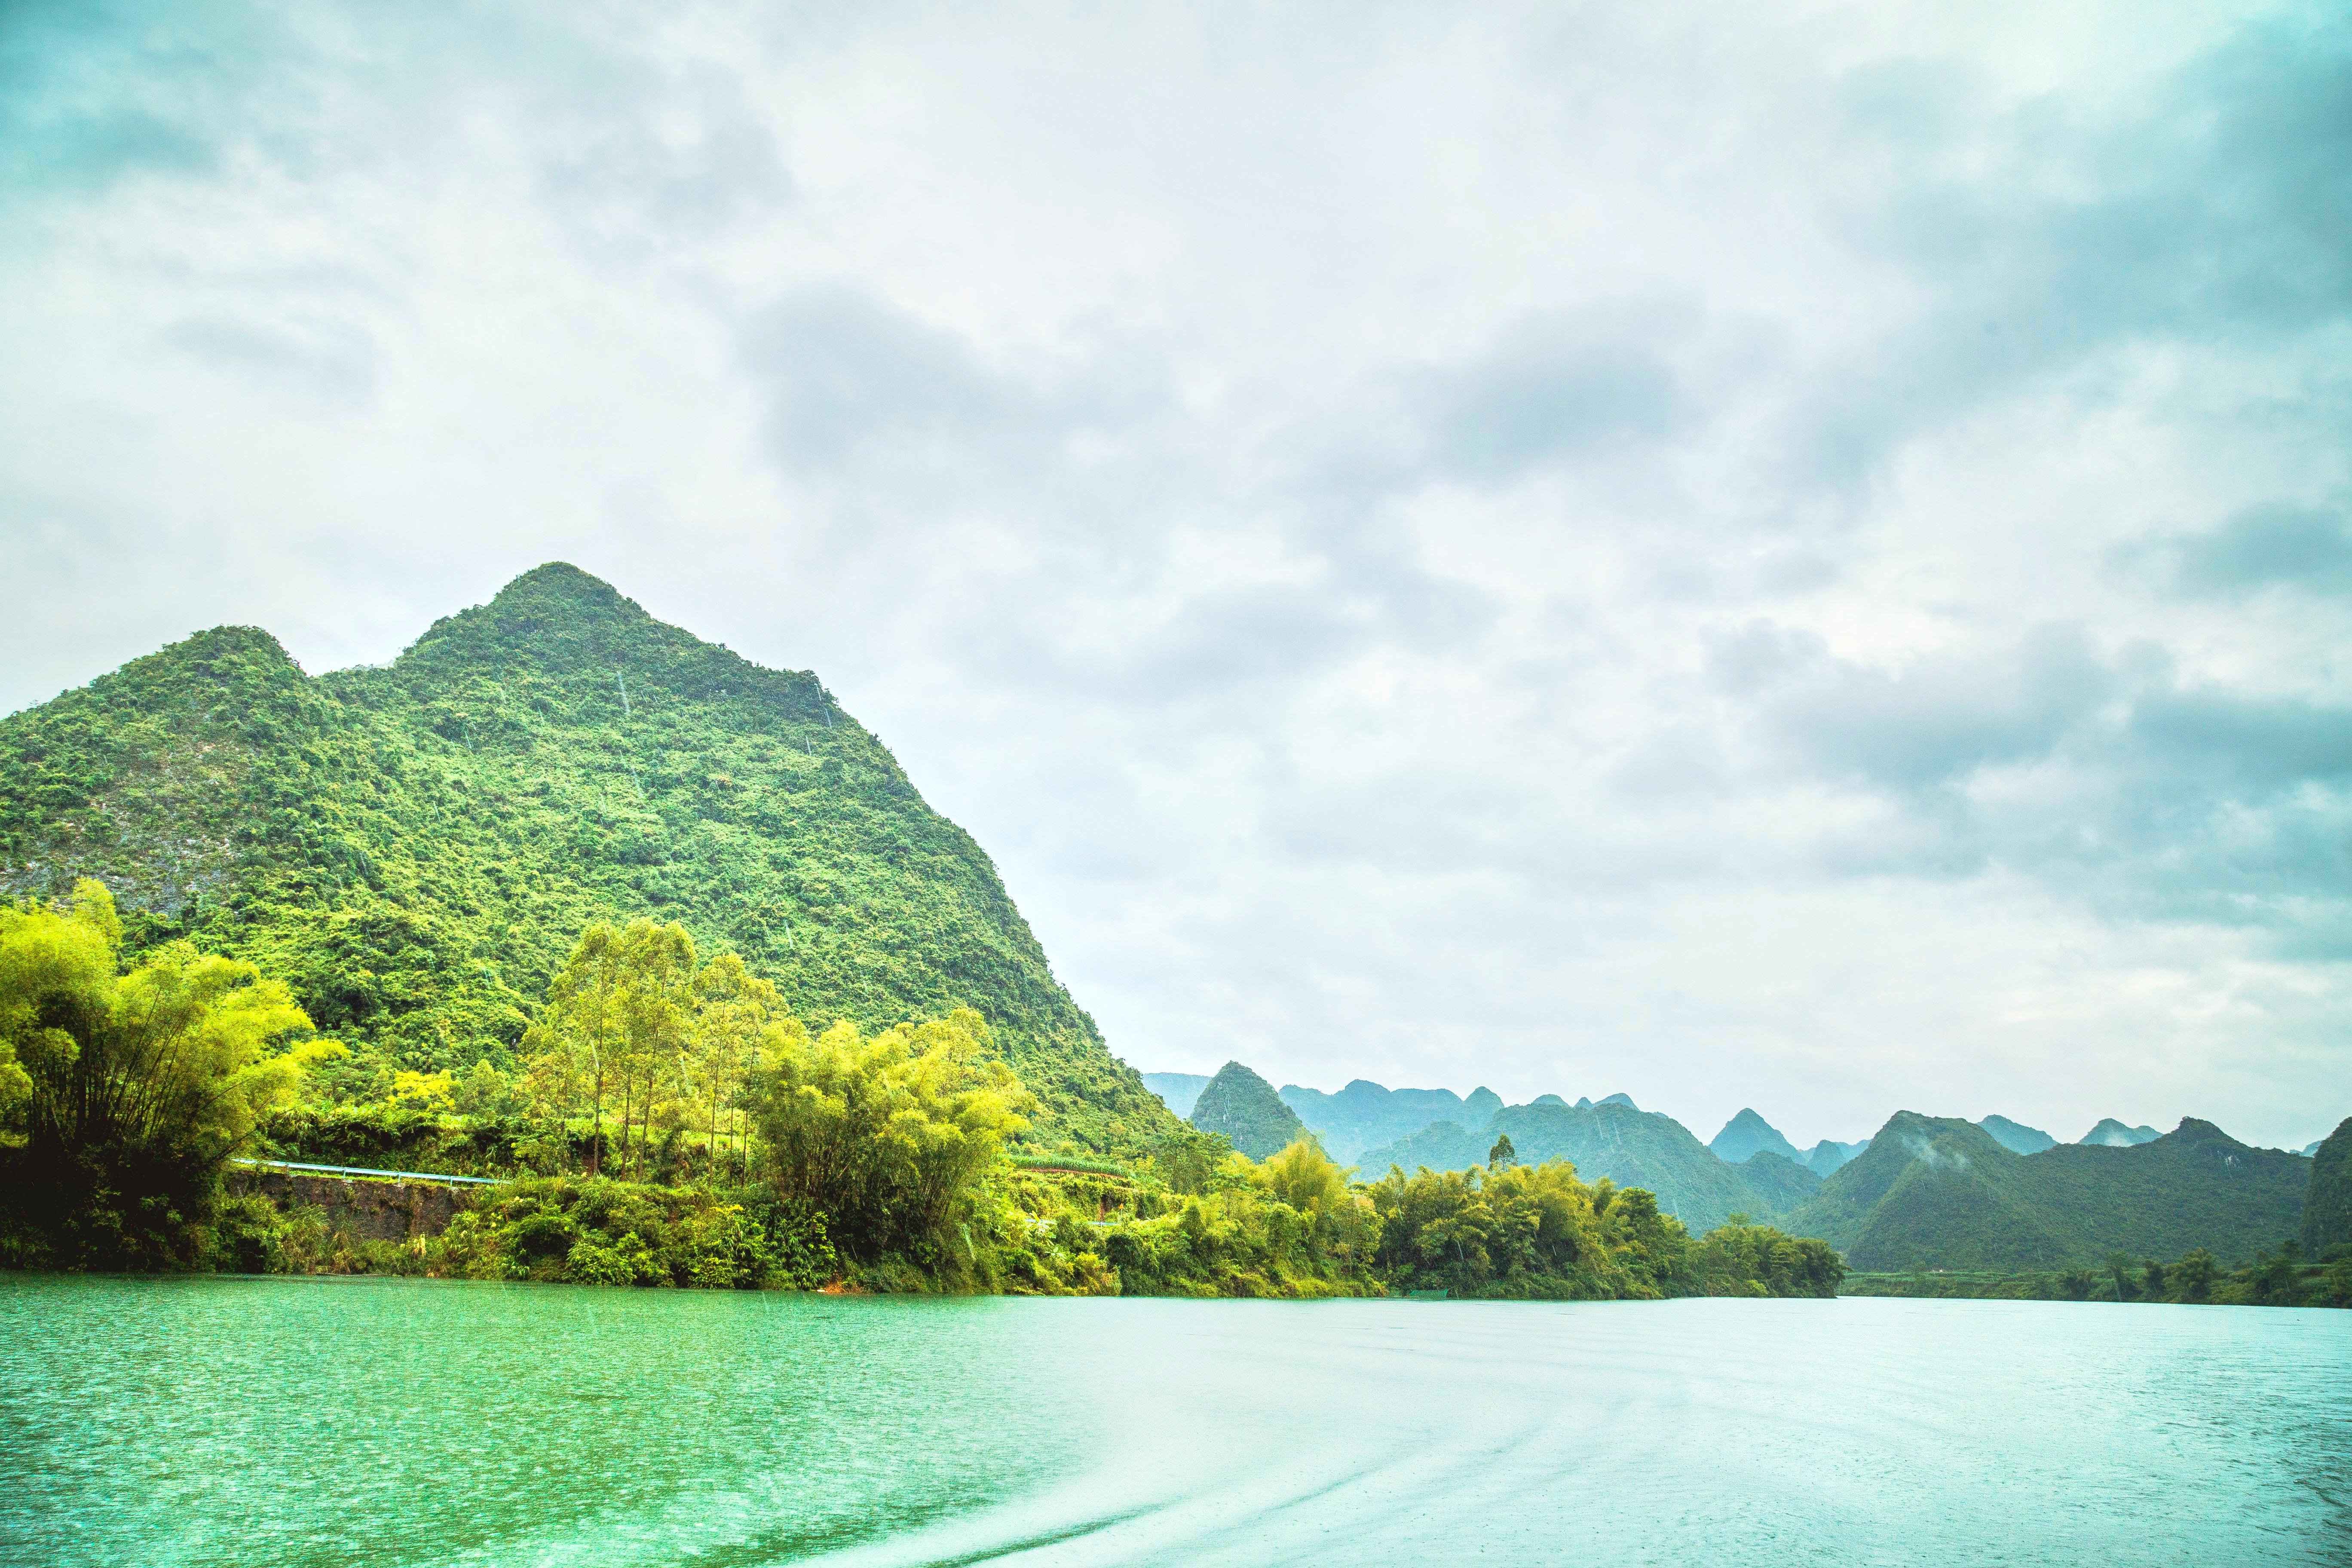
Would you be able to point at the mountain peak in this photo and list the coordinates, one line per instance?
(563, 580)
(1244, 1108)
(1748, 1135)
(2113, 1134)
(2016, 1137)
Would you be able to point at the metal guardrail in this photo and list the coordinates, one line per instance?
(363, 1171)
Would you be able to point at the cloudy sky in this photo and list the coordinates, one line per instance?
(1747, 553)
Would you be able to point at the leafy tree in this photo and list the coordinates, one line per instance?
(483, 1093)
(1303, 1176)
(656, 1018)
(138, 1086)
(735, 1011)
(890, 1135)
(2193, 1276)
(1188, 1160)
(1501, 1155)
(577, 1035)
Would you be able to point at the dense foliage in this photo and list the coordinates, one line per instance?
(1939, 1193)
(892, 1137)
(1243, 1108)
(415, 848)
(126, 1090)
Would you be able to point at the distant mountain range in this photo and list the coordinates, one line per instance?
(1922, 1193)
(1364, 1114)
(1939, 1193)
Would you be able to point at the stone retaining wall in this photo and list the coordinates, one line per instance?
(364, 1210)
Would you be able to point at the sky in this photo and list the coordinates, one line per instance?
(1750, 554)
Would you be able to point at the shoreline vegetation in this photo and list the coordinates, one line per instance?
(673, 1124)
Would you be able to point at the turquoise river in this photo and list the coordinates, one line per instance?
(260, 1422)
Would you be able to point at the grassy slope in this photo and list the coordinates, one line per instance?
(416, 847)
(1937, 1192)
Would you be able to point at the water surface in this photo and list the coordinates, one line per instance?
(255, 1421)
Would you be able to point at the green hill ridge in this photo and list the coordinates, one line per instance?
(1244, 1107)
(1941, 1193)
(416, 847)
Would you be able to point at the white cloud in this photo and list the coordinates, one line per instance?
(1572, 549)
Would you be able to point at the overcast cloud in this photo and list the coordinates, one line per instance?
(1782, 554)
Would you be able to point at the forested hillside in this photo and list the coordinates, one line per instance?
(2327, 1204)
(414, 848)
(1939, 1192)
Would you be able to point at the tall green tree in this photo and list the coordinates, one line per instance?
(891, 1135)
(656, 1014)
(735, 1012)
(136, 1087)
(572, 1044)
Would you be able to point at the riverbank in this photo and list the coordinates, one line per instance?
(2279, 1278)
(1036, 1232)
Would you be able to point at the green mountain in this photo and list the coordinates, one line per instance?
(1633, 1149)
(1746, 1134)
(414, 848)
(1939, 1193)
(2328, 1202)
(1365, 1114)
(1440, 1146)
(1244, 1108)
(1176, 1090)
(1828, 1156)
(2111, 1134)
(1781, 1182)
(2018, 1137)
